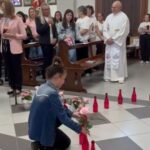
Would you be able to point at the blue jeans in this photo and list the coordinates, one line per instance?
(35, 52)
(72, 55)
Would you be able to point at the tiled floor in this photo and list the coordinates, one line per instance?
(121, 127)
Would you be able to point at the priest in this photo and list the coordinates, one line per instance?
(115, 31)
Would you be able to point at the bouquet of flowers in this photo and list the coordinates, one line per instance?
(78, 105)
(83, 120)
(75, 103)
(69, 41)
(26, 95)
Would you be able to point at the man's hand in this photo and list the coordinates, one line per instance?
(109, 41)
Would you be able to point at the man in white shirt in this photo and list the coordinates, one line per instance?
(115, 31)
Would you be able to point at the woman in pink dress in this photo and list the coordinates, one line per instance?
(12, 32)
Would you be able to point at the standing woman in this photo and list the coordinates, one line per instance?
(35, 52)
(82, 31)
(92, 18)
(99, 33)
(67, 32)
(12, 31)
(31, 22)
(47, 34)
(58, 19)
(144, 30)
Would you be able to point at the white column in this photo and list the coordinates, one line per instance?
(148, 6)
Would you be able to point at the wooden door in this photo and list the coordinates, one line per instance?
(135, 10)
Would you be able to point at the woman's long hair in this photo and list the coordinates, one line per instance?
(9, 10)
(43, 6)
(72, 22)
(55, 20)
(31, 8)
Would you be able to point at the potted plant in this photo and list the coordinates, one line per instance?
(26, 96)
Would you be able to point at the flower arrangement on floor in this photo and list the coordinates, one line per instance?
(26, 95)
(78, 105)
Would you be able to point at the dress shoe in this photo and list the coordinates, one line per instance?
(35, 146)
(1, 82)
(10, 92)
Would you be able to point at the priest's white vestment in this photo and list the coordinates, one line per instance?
(116, 27)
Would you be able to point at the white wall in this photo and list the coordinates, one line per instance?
(25, 9)
(84, 3)
(62, 5)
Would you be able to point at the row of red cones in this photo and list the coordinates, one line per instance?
(120, 100)
(83, 139)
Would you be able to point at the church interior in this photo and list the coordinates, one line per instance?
(118, 109)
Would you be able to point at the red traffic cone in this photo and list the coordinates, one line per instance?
(81, 138)
(93, 145)
(106, 101)
(120, 98)
(134, 96)
(95, 105)
(85, 144)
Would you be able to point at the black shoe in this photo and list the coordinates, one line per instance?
(6, 79)
(35, 146)
(11, 92)
(1, 82)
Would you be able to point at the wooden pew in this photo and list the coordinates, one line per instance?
(30, 67)
(75, 70)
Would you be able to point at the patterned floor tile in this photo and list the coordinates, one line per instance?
(140, 112)
(123, 143)
(97, 119)
(8, 142)
(21, 129)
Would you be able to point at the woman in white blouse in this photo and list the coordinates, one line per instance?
(99, 32)
(144, 31)
(82, 31)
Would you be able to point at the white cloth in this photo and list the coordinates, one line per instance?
(82, 23)
(51, 30)
(100, 27)
(92, 22)
(143, 26)
(116, 26)
(46, 18)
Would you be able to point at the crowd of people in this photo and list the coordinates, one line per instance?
(40, 26)
(47, 113)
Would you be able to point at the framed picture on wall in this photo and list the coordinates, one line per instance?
(27, 2)
(17, 2)
(52, 2)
